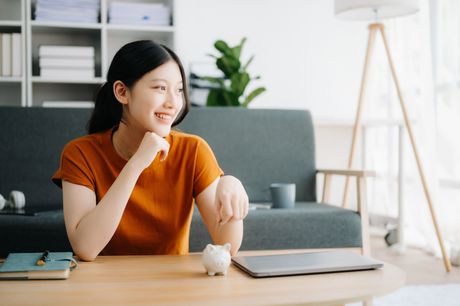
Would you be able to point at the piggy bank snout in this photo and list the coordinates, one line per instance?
(221, 262)
(219, 258)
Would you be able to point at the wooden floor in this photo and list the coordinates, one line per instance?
(420, 267)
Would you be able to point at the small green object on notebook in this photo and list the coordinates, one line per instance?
(24, 266)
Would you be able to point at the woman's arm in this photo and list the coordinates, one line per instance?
(223, 205)
(89, 226)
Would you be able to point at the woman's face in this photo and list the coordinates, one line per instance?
(156, 99)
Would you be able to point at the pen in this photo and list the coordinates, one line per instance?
(43, 258)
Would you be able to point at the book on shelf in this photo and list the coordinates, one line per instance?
(62, 73)
(5, 50)
(59, 62)
(16, 54)
(65, 51)
(1, 54)
(68, 104)
(54, 265)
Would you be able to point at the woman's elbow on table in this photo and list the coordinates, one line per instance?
(85, 255)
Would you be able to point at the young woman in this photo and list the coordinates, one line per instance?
(129, 186)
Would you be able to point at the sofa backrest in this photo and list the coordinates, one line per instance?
(257, 146)
(260, 146)
(31, 141)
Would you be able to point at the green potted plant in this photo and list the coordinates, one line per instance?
(229, 90)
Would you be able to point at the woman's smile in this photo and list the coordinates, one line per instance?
(165, 117)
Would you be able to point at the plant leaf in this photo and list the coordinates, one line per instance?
(239, 82)
(252, 95)
(228, 65)
(215, 98)
(230, 98)
(223, 48)
(245, 67)
(237, 49)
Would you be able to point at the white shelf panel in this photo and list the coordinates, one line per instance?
(137, 28)
(10, 23)
(37, 79)
(11, 79)
(73, 25)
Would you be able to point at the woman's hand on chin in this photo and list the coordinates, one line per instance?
(150, 146)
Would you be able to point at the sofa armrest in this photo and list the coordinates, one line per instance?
(350, 172)
(360, 176)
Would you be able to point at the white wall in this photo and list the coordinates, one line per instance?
(307, 58)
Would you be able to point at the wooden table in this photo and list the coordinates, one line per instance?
(181, 280)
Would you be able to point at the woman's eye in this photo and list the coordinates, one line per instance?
(181, 90)
(160, 87)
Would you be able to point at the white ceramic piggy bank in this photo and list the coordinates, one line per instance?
(216, 258)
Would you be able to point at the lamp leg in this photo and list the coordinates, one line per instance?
(357, 125)
(417, 158)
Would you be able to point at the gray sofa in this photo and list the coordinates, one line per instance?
(257, 146)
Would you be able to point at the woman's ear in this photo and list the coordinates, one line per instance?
(121, 92)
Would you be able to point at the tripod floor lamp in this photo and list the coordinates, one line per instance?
(375, 10)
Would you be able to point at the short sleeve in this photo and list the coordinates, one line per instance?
(74, 168)
(207, 169)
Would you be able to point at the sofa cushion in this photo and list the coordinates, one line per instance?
(308, 225)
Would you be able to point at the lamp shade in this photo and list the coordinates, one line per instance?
(371, 9)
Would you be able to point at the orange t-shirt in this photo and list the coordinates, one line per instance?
(157, 217)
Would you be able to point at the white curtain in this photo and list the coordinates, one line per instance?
(446, 49)
(411, 43)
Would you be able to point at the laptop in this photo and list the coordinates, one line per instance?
(304, 263)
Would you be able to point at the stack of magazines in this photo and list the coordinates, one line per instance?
(66, 62)
(139, 13)
(86, 11)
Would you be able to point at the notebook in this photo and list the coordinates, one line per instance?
(304, 263)
(24, 266)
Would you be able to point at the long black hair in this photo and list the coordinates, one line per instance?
(129, 64)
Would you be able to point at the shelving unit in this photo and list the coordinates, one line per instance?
(13, 88)
(31, 89)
